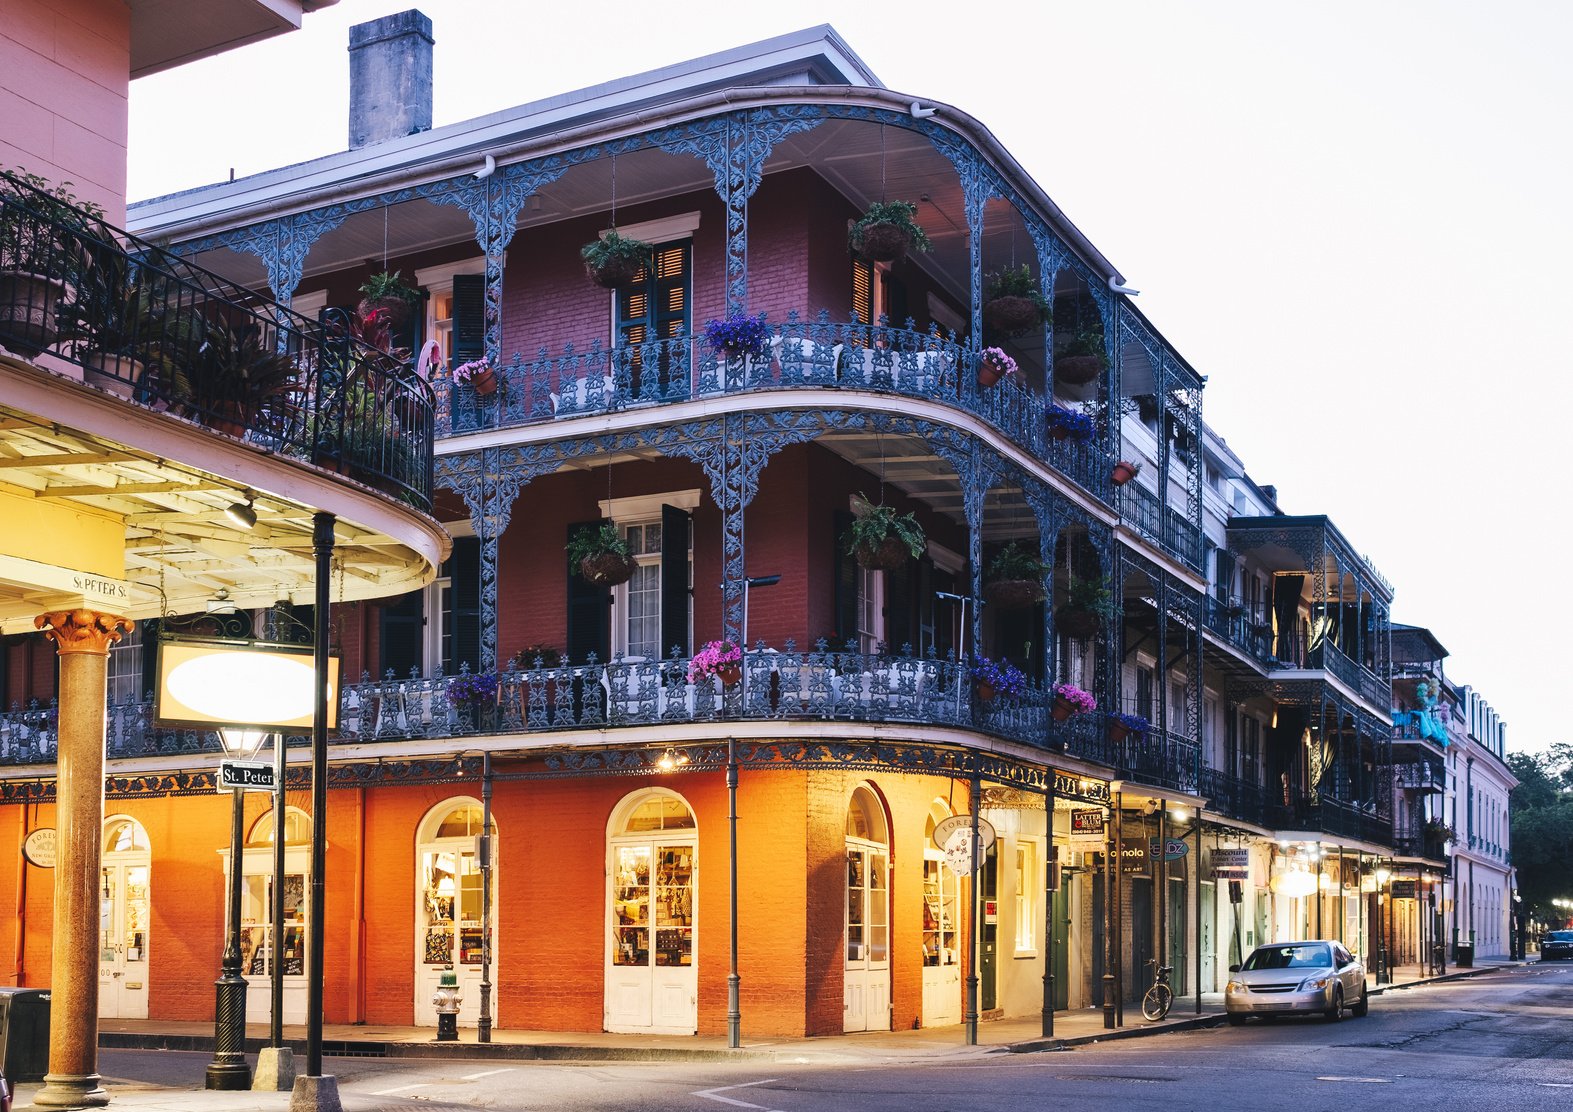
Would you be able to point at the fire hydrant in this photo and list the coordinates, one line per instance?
(446, 1000)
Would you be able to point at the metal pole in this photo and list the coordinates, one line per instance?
(1049, 889)
(734, 1007)
(276, 948)
(322, 541)
(1161, 878)
(1319, 898)
(1119, 927)
(483, 1025)
(228, 1069)
(1197, 867)
(1111, 849)
(971, 1017)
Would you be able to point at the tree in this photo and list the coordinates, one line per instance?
(1542, 822)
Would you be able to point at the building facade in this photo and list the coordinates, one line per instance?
(1234, 784)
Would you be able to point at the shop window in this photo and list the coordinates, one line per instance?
(1029, 923)
(126, 668)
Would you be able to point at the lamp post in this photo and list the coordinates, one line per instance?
(1383, 875)
(228, 1069)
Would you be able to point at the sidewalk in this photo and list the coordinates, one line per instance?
(1014, 1035)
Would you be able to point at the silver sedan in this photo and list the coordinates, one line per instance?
(1288, 978)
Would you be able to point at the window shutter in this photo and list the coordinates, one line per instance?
(675, 526)
(469, 317)
(863, 290)
(654, 306)
(400, 635)
(845, 570)
(464, 594)
(1014, 631)
(898, 607)
(150, 629)
(896, 310)
(589, 612)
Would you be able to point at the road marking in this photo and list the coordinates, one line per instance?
(487, 1073)
(399, 1089)
(1360, 1080)
(1555, 1085)
(710, 1094)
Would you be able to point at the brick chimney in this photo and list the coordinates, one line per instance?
(390, 78)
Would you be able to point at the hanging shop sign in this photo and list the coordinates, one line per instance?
(946, 827)
(39, 847)
(963, 857)
(1088, 827)
(1172, 849)
(1231, 864)
(1402, 889)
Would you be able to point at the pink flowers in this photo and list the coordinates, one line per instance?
(1003, 363)
(713, 658)
(469, 372)
(1081, 702)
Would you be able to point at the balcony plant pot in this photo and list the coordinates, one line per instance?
(607, 569)
(1080, 624)
(730, 674)
(117, 374)
(1118, 731)
(989, 373)
(890, 554)
(484, 382)
(228, 418)
(1061, 709)
(1013, 594)
(28, 304)
(1077, 370)
(615, 273)
(1012, 315)
(986, 692)
(1124, 472)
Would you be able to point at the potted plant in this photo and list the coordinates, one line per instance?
(41, 256)
(1438, 831)
(1123, 725)
(1070, 699)
(237, 373)
(883, 540)
(539, 655)
(1125, 471)
(1089, 603)
(1013, 579)
(475, 693)
(739, 336)
(478, 375)
(1070, 424)
(114, 320)
(1013, 303)
(887, 231)
(721, 659)
(997, 680)
(993, 365)
(601, 555)
(1080, 358)
(613, 261)
(388, 292)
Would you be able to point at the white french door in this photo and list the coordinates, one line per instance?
(866, 992)
(941, 942)
(651, 979)
(123, 917)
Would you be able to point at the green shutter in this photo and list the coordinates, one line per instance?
(400, 635)
(469, 317)
(589, 612)
(845, 577)
(464, 602)
(675, 528)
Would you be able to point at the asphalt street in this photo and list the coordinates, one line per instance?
(1499, 1041)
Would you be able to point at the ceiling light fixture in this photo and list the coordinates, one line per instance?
(241, 514)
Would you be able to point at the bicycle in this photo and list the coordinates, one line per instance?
(1160, 997)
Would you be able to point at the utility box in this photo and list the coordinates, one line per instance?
(1464, 954)
(24, 1033)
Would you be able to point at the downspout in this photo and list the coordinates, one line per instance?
(358, 915)
(19, 952)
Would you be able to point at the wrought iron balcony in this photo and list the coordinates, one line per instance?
(1411, 844)
(1419, 775)
(1163, 525)
(1236, 622)
(1232, 796)
(149, 327)
(1332, 816)
(818, 355)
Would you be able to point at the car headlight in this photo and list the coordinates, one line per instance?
(1235, 986)
(1314, 983)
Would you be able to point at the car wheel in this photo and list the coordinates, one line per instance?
(1362, 1005)
(1236, 1020)
(1336, 1012)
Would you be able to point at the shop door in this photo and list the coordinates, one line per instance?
(651, 981)
(1176, 922)
(256, 941)
(123, 937)
(866, 992)
(988, 957)
(449, 932)
(1139, 976)
(1062, 943)
(941, 943)
(1209, 913)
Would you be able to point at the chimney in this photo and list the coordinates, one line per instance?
(390, 78)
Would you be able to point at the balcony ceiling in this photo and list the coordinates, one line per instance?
(169, 33)
(180, 550)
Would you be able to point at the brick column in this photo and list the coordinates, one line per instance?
(82, 639)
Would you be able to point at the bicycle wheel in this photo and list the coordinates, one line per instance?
(1155, 1005)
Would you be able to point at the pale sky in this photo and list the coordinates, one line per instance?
(1350, 215)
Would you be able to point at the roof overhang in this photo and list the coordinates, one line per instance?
(170, 33)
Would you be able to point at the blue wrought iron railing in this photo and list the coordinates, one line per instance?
(1332, 816)
(821, 354)
(1163, 525)
(1245, 628)
(151, 328)
(1233, 796)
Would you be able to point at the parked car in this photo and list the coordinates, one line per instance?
(5, 1094)
(1290, 978)
(1556, 946)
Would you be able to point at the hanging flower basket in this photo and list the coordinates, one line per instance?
(27, 311)
(1080, 624)
(1077, 370)
(730, 674)
(396, 310)
(1013, 594)
(1124, 472)
(883, 243)
(1012, 315)
(607, 569)
(890, 554)
(616, 272)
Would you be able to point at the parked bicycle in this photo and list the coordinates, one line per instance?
(1160, 997)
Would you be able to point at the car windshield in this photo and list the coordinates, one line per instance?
(1305, 956)
(1560, 936)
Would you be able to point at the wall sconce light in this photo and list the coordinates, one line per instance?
(670, 760)
(240, 514)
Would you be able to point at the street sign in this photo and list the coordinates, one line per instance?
(1087, 826)
(1173, 849)
(946, 827)
(251, 776)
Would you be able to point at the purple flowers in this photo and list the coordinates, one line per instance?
(1007, 680)
(739, 334)
(472, 688)
(1003, 363)
(469, 372)
(715, 656)
(1081, 702)
(1070, 424)
(1135, 723)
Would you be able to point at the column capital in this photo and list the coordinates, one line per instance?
(82, 631)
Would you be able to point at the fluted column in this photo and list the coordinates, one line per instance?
(82, 639)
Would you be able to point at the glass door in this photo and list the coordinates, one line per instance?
(651, 982)
(257, 952)
(867, 994)
(448, 909)
(123, 936)
(941, 948)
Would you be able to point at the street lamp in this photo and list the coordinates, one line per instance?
(1383, 974)
(228, 1069)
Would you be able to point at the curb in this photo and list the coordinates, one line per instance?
(1195, 1023)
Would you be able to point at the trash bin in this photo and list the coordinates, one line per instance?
(1464, 954)
(24, 1033)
